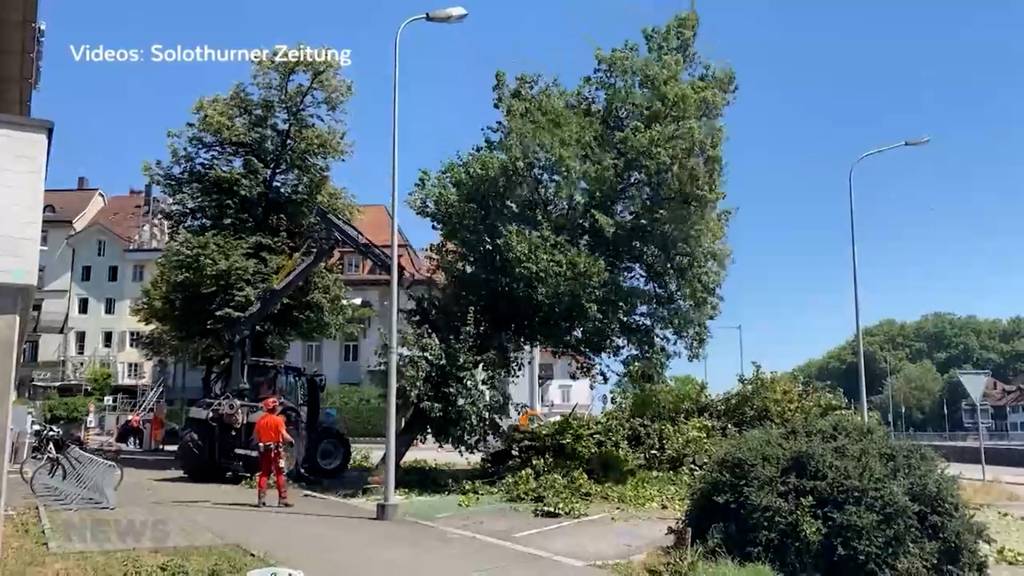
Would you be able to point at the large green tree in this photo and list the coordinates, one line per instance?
(588, 221)
(243, 177)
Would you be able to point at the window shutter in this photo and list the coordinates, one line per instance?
(122, 340)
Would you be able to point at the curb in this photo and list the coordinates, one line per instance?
(44, 521)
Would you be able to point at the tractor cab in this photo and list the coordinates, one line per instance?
(266, 378)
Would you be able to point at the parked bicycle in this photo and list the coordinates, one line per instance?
(47, 456)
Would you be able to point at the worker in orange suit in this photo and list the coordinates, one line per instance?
(270, 438)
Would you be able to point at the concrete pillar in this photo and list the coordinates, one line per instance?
(534, 379)
(10, 329)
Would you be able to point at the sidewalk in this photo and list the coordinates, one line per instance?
(320, 537)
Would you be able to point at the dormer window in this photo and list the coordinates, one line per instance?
(353, 264)
(49, 209)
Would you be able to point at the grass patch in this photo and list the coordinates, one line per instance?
(25, 554)
(987, 493)
(1007, 532)
(665, 563)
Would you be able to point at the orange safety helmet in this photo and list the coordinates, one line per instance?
(270, 403)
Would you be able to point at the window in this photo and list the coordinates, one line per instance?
(109, 306)
(44, 237)
(37, 306)
(545, 371)
(565, 393)
(133, 371)
(39, 278)
(111, 273)
(86, 274)
(1016, 409)
(134, 338)
(353, 264)
(311, 353)
(30, 351)
(101, 248)
(80, 343)
(138, 272)
(108, 339)
(83, 305)
(350, 352)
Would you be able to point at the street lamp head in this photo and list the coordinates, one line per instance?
(449, 15)
(917, 141)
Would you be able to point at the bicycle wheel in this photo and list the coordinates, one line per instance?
(28, 466)
(119, 475)
(52, 469)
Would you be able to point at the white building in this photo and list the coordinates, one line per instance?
(96, 252)
(355, 360)
(562, 388)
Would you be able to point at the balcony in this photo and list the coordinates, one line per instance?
(47, 322)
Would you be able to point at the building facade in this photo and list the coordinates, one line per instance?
(97, 252)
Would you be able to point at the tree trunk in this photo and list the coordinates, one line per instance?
(415, 425)
(208, 379)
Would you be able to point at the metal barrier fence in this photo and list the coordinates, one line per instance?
(79, 480)
(971, 437)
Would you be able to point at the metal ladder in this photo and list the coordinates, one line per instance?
(151, 398)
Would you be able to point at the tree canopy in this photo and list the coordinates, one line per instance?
(588, 222)
(243, 177)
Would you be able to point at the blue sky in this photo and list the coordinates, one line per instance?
(820, 82)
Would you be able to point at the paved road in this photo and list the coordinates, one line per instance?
(318, 536)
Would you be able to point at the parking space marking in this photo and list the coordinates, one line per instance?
(513, 546)
(559, 525)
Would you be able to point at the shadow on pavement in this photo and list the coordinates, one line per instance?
(248, 507)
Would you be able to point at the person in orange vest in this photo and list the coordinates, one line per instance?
(270, 438)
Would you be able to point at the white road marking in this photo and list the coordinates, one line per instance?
(559, 525)
(513, 546)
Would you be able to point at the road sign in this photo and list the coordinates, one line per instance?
(974, 382)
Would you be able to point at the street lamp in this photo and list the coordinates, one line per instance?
(387, 510)
(856, 294)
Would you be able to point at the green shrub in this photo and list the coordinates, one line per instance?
(833, 497)
(100, 380)
(61, 410)
(362, 409)
(774, 399)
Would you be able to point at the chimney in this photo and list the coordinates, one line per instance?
(83, 183)
(147, 199)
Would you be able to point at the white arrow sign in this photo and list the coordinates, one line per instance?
(974, 382)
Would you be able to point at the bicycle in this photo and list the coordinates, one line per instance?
(48, 443)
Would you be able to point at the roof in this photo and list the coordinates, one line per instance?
(122, 216)
(68, 205)
(374, 221)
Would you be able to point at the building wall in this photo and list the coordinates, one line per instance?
(556, 374)
(23, 147)
(332, 360)
(124, 291)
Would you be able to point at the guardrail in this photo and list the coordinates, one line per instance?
(972, 437)
(78, 480)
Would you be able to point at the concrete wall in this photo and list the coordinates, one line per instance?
(24, 144)
(969, 454)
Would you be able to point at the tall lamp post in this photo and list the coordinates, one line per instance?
(387, 510)
(856, 294)
(738, 328)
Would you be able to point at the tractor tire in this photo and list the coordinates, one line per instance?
(331, 455)
(195, 455)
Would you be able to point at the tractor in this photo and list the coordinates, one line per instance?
(218, 434)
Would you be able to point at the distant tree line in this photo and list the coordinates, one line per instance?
(922, 356)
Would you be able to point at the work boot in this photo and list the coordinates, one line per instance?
(261, 500)
(284, 503)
